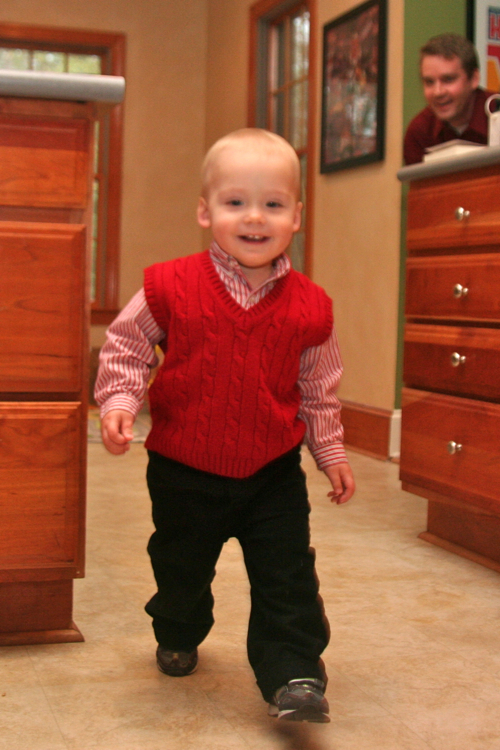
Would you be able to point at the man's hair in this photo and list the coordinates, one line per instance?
(246, 137)
(453, 45)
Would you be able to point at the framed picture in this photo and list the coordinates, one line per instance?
(483, 28)
(353, 105)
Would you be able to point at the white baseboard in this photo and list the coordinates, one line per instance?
(395, 434)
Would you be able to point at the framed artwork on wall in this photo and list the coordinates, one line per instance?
(483, 28)
(353, 103)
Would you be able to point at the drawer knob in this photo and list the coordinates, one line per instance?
(460, 291)
(457, 359)
(453, 447)
(461, 213)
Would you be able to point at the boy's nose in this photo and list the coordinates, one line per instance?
(254, 214)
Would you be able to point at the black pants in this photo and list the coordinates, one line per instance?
(194, 514)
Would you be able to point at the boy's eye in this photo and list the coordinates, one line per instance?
(274, 204)
(235, 202)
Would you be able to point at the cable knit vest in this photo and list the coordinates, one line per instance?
(226, 399)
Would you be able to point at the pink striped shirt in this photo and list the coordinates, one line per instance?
(129, 354)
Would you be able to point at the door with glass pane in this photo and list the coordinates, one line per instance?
(283, 40)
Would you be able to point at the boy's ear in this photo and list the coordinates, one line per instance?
(297, 218)
(203, 214)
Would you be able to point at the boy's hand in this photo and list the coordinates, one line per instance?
(342, 480)
(116, 430)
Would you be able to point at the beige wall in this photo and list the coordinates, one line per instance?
(180, 99)
(357, 242)
(164, 118)
(357, 212)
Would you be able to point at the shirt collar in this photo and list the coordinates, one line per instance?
(281, 264)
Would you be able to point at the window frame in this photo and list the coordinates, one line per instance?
(111, 48)
(262, 14)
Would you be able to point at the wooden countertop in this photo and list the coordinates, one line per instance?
(483, 157)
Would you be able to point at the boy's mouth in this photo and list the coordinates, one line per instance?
(253, 238)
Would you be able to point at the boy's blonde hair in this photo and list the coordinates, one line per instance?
(257, 138)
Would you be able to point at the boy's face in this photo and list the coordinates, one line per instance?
(251, 206)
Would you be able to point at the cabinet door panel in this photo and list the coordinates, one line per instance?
(42, 481)
(432, 426)
(434, 217)
(454, 286)
(458, 360)
(43, 309)
(44, 161)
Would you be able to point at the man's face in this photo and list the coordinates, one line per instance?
(447, 88)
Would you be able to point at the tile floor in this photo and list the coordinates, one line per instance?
(414, 659)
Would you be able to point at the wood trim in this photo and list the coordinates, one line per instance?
(46, 573)
(252, 66)
(263, 10)
(37, 612)
(53, 34)
(104, 317)
(477, 527)
(437, 497)
(117, 49)
(367, 429)
(37, 637)
(311, 135)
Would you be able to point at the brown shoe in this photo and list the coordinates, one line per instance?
(176, 663)
(301, 700)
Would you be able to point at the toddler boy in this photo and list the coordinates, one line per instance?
(251, 366)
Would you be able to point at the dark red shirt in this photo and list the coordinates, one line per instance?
(426, 130)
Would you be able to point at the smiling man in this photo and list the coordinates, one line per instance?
(449, 70)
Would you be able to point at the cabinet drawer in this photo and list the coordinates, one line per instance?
(432, 425)
(458, 210)
(458, 360)
(44, 161)
(43, 307)
(454, 286)
(42, 476)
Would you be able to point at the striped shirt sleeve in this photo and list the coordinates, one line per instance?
(127, 358)
(319, 377)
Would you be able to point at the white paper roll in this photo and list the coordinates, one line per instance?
(71, 86)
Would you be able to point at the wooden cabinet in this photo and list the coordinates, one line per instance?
(45, 205)
(41, 514)
(450, 448)
(454, 287)
(454, 212)
(451, 359)
(43, 293)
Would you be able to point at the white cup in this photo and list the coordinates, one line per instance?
(493, 122)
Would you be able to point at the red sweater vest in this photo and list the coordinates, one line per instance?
(226, 397)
